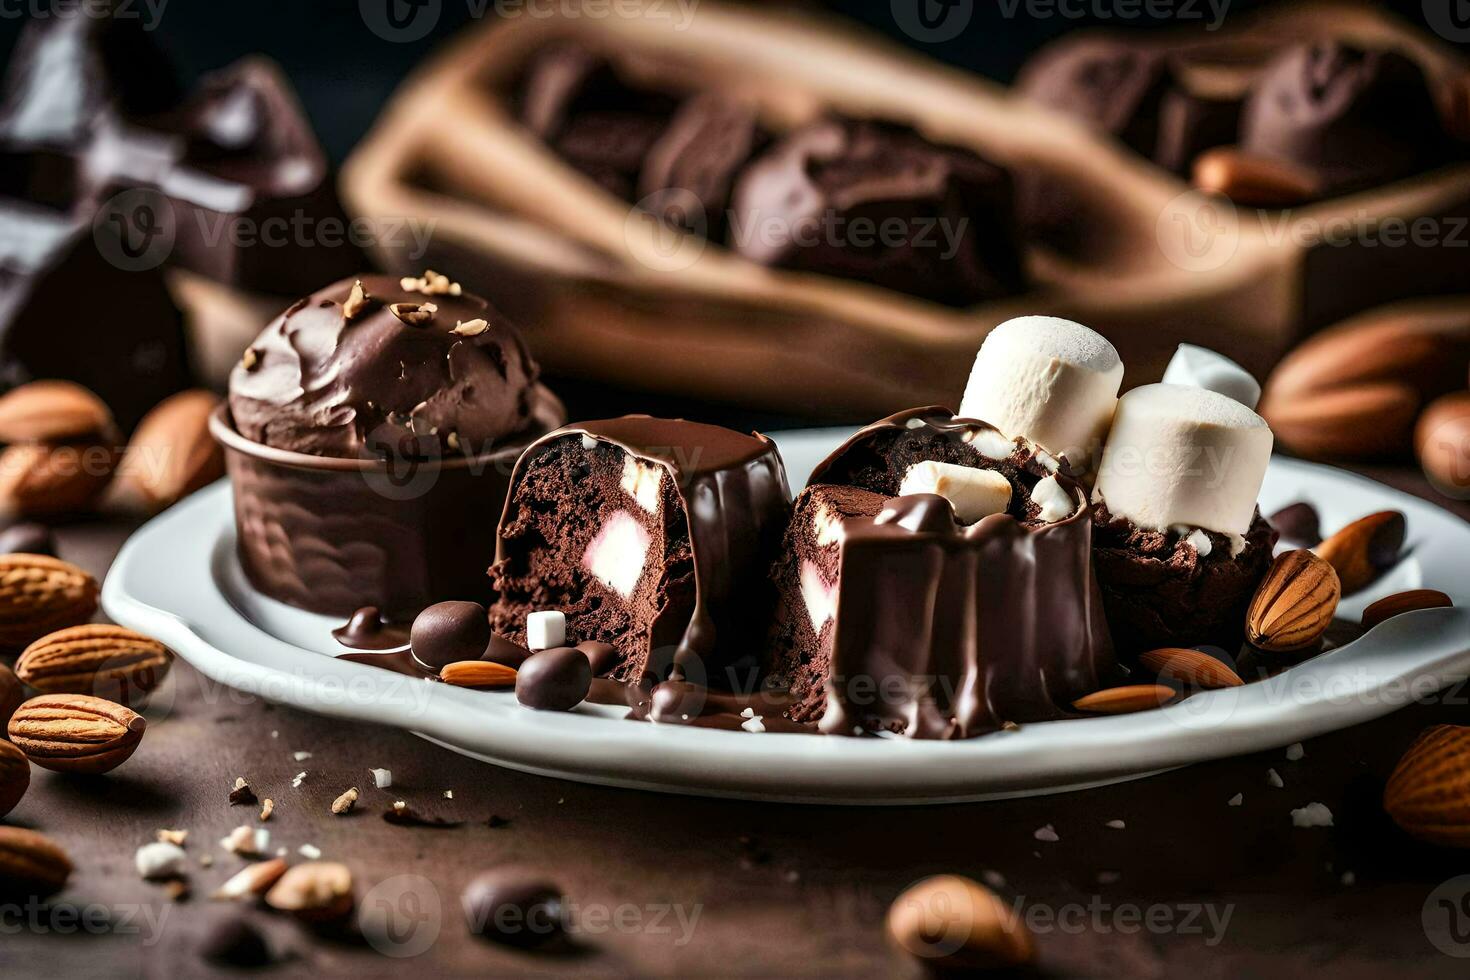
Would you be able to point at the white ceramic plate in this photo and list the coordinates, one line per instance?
(178, 579)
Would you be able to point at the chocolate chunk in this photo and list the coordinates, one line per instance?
(1299, 524)
(692, 167)
(243, 795)
(554, 680)
(604, 657)
(1115, 87)
(28, 538)
(406, 816)
(506, 652)
(515, 907)
(1356, 118)
(448, 632)
(366, 630)
(235, 942)
(880, 204)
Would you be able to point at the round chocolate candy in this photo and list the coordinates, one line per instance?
(514, 906)
(28, 538)
(603, 657)
(235, 942)
(508, 653)
(448, 632)
(554, 680)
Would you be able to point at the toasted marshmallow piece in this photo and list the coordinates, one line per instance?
(1203, 368)
(1049, 380)
(1183, 455)
(974, 493)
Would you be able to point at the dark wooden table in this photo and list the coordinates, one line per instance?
(666, 885)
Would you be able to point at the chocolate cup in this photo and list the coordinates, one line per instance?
(331, 534)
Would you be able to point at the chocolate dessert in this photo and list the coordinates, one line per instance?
(652, 535)
(820, 199)
(690, 171)
(937, 614)
(370, 428)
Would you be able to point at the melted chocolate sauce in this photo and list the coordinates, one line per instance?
(367, 631)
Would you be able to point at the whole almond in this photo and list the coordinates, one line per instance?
(171, 453)
(1365, 549)
(1442, 440)
(1254, 181)
(318, 891)
(44, 480)
(107, 661)
(252, 880)
(949, 922)
(76, 733)
(1428, 348)
(1428, 794)
(1190, 667)
(1361, 421)
(1402, 602)
(15, 777)
(1125, 700)
(477, 673)
(52, 411)
(39, 595)
(31, 864)
(1294, 604)
(11, 695)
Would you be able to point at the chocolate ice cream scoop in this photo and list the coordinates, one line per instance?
(413, 368)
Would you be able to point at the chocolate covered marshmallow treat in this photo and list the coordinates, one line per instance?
(653, 535)
(936, 580)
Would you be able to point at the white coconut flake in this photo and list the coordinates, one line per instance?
(301, 756)
(747, 713)
(1116, 824)
(753, 725)
(310, 851)
(160, 860)
(1312, 815)
(1047, 833)
(1273, 778)
(1295, 752)
(382, 778)
(299, 778)
(1236, 800)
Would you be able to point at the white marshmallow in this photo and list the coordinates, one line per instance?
(827, 526)
(643, 482)
(546, 629)
(1184, 455)
(1048, 380)
(819, 596)
(1203, 368)
(617, 554)
(975, 493)
(1055, 502)
(990, 443)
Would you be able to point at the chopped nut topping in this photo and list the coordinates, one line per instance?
(250, 359)
(452, 441)
(267, 808)
(253, 879)
(413, 314)
(242, 794)
(470, 328)
(430, 283)
(357, 300)
(344, 803)
(173, 836)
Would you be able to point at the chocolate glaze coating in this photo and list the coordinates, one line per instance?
(694, 163)
(513, 906)
(375, 385)
(1355, 117)
(798, 204)
(554, 680)
(604, 657)
(28, 538)
(448, 632)
(1113, 86)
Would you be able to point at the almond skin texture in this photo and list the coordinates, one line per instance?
(318, 891)
(1294, 604)
(1125, 700)
(52, 411)
(76, 733)
(11, 695)
(31, 864)
(1365, 549)
(15, 777)
(477, 673)
(43, 480)
(1401, 602)
(106, 661)
(1367, 421)
(1442, 440)
(1428, 794)
(1253, 181)
(952, 923)
(172, 453)
(39, 595)
(1190, 667)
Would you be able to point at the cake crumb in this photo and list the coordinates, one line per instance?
(241, 794)
(449, 794)
(1273, 778)
(1295, 752)
(1236, 800)
(1312, 815)
(1048, 834)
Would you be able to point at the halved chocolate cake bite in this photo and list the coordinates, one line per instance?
(936, 581)
(652, 535)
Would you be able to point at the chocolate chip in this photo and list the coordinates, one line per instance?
(235, 942)
(448, 632)
(407, 816)
(1299, 524)
(28, 538)
(505, 652)
(514, 907)
(1386, 545)
(604, 657)
(554, 680)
